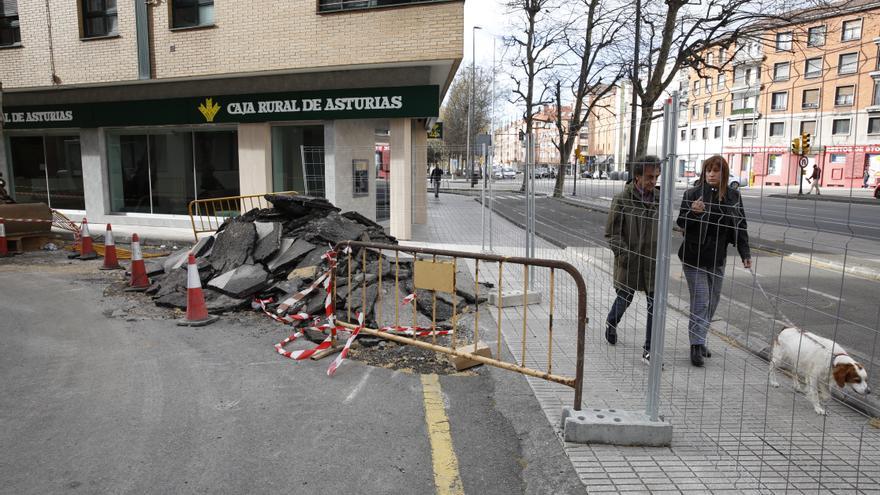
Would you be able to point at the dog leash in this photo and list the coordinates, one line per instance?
(785, 319)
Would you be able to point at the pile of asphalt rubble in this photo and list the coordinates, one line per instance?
(276, 252)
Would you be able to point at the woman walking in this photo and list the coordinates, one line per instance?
(712, 217)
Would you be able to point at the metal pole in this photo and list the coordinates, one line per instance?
(661, 274)
(483, 201)
(469, 151)
(492, 197)
(527, 171)
(532, 214)
(635, 77)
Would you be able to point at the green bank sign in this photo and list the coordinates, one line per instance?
(367, 103)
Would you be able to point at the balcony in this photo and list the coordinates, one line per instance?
(744, 114)
(751, 87)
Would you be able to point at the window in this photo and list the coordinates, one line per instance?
(813, 67)
(748, 130)
(722, 78)
(722, 56)
(816, 36)
(683, 135)
(98, 18)
(840, 127)
(717, 132)
(705, 133)
(706, 108)
(710, 58)
(10, 33)
(848, 63)
(742, 75)
(843, 96)
(810, 99)
(838, 158)
(781, 70)
(696, 87)
(695, 111)
(337, 5)
(808, 127)
(718, 106)
(47, 169)
(875, 96)
(163, 172)
(852, 30)
(774, 163)
(731, 131)
(192, 13)
(783, 41)
(708, 85)
(291, 144)
(742, 104)
(874, 125)
(693, 134)
(779, 101)
(777, 129)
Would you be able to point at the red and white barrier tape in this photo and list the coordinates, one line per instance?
(341, 357)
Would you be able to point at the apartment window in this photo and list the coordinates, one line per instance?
(717, 132)
(783, 41)
(706, 108)
(779, 101)
(693, 134)
(816, 36)
(838, 158)
(810, 98)
(808, 127)
(98, 18)
(337, 5)
(705, 133)
(777, 129)
(748, 130)
(731, 131)
(852, 30)
(874, 125)
(813, 67)
(843, 96)
(742, 104)
(722, 78)
(708, 85)
(722, 56)
(875, 96)
(695, 111)
(718, 106)
(840, 127)
(10, 33)
(848, 63)
(683, 135)
(710, 58)
(682, 86)
(742, 75)
(781, 71)
(696, 87)
(774, 162)
(192, 13)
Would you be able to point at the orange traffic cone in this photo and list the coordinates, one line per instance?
(196, 310)
(88, 252)
(111, 262)
(139, 281)
(4, 248)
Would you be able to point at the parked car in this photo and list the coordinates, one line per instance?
(586, 174)
(509, 173)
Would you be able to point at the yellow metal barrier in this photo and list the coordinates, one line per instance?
(214, 211)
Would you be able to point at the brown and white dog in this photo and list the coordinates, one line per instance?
(817, 360)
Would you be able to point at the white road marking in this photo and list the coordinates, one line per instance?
(358, 387)
(823, 294)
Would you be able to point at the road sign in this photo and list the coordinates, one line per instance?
(436, 131)
(803, 162)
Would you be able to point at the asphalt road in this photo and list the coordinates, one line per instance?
(97, 401)
(814, 298)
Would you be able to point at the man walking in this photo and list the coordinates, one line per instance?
(814, 179)
(436, 175)
(631, 231)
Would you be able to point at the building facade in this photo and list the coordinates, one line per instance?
(816, 75)
(126, 112)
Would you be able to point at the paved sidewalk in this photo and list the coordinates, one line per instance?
(733, 434)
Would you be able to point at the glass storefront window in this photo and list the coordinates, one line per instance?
(47, 169)
(298, 159)
(162, 170)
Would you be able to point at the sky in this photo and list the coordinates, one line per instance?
(490, 16)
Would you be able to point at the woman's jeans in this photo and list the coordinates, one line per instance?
(704, 286)
(623, 300)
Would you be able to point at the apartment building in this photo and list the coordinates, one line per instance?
(510, 149)
(127, 111)
(817, 74)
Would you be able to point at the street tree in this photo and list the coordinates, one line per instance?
(454, 113)
(590, 42)
(532, 53)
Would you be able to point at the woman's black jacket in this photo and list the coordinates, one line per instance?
(723, 222)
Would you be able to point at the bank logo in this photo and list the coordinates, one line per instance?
(209, 109)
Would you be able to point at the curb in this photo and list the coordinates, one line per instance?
(829, 198)
(736, 336)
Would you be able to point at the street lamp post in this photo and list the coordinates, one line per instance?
(470, 123)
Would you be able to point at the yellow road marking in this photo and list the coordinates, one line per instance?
(446, 476)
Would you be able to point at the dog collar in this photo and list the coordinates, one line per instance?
(837, 355)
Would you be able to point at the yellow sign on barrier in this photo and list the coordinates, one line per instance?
(435, 275)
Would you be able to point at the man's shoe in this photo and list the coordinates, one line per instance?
(610, 333)
(646, 356)
(706, 351)
(697, 355)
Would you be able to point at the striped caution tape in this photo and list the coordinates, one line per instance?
(331, 370)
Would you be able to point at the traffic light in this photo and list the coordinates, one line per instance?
(805, 143)
(522, 135)
(796, 146)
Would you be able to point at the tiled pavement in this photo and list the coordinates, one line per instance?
(732, 433)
